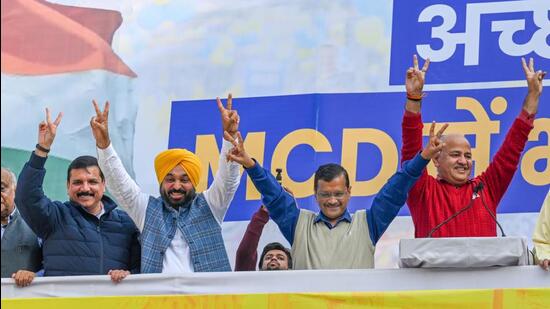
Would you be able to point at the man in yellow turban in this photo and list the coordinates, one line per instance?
(172, 162)
(181, 229)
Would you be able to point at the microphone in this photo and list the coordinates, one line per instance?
(477, 189)
(474, 196)
(491, 213)
(279, 177)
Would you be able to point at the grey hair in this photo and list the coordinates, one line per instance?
(445, 137)
(12, 175)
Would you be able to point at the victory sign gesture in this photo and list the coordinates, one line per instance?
(435, 144)
(415, 77)
(46, 132)
(100, 125)
(230, 118)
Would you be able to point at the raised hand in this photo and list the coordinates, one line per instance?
(534, 85)
(100, 125)
(414, 82)
(435, 144)
(230, 117)
(238, 153)
(534, 78)
(47, 130)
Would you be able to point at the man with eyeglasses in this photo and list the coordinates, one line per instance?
(333, 238)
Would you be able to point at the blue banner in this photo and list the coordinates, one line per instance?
(361, 131)
(470, 41)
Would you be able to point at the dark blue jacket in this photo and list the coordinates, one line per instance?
(76, 242)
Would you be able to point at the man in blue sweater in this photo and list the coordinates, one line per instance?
(333, 238)
(86, 235)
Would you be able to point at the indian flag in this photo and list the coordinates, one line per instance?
(60, 57)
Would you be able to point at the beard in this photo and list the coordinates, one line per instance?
(272, 268)
(5, 211)
(5, 214)
(188, 197)
(269, 267)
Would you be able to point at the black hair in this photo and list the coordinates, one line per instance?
(328, 172)
(83, 162)
(275, 246)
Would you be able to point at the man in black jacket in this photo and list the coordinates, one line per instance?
(86, 235)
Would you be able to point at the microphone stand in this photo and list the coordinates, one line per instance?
(474, 196)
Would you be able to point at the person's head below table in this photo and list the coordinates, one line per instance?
(275, 256)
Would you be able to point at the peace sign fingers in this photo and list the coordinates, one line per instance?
(414, 81)
(101, 116)
(100, 125)
(230, 118)
(48, 129)
(434, 145)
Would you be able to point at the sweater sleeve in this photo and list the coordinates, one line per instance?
(411, 129)
(280, 204)
(501, 170)
(392, 196)
(38, 211)
(411, 134)
(226, 182)
(247, 253)
(123, 188)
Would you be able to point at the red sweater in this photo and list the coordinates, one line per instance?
(432, 200)
(247, 254)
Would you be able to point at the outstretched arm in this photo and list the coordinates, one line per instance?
(35, 207)
(412, 121)
(227, 179)
(392, 196)
(247, 253)
(502, 168)
(123, 188)
(280, 204)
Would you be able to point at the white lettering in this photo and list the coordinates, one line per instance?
(470, 38)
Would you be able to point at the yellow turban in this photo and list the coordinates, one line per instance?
(168, 159)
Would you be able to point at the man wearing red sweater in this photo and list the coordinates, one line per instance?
(433, 200)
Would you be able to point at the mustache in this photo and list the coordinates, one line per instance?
(79, 194)
(180, 191)
(272, 266)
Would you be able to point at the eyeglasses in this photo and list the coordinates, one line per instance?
(327, 195)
